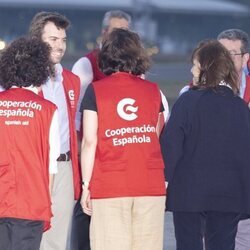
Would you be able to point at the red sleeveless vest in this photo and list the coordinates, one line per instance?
(71, 84)
(97, 74)
(25, 120)
(128, 158)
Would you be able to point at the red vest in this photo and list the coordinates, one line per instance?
(71, 84)
(25, 120)
(97, 74)
(246, 96)
(128, 158)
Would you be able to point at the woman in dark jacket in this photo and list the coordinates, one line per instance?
(206, 146)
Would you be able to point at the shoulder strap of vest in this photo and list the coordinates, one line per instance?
(92, 57)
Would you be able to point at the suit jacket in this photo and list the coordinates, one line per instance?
(206, 148)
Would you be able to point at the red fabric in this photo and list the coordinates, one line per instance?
(246, 96)
(248, 66)
(97, 74)
(24, 149)
(127, 169)
(71, 84)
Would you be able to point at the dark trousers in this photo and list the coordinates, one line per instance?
(80, 229)
(218, 230)
(18, 234)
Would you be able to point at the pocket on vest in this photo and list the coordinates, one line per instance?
(112, 166)
(155, 164)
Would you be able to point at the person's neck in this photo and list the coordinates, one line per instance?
(53, 78)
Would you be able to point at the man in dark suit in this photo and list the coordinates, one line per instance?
(237, 43)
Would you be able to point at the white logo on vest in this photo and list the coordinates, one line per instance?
(125, 109)
(71, 95)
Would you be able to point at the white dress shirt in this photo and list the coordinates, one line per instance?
(83, 69)
(53, 91)
(242, 85)
(54, 144)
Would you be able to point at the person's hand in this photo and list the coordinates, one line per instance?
(86, 202)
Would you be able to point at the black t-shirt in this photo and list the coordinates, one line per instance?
(89, 100)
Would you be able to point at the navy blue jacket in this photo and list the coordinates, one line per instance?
(206, 149)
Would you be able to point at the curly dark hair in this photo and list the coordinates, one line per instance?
(25, 62)
(123, 51)
(216, 65)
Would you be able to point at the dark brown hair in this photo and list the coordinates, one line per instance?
(123, 51)
(25, 62)
(216, 65)
(42, 18)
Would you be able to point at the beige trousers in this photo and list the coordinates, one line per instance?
(62, 208)
(129, 223)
